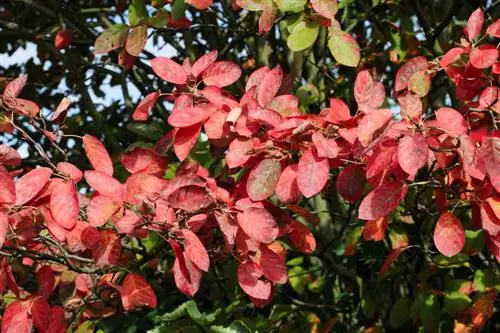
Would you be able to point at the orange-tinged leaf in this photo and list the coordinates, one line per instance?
(389, 260)
(413, 153)
(351, 182)
(143, 109)
(70, 170)
(382, 200)
(494, 29)
(199, 4)
(9, 156)
(190, 198)
(64, 205)
(97, 154)
(111, 38)
(258, 224)
(100, 209)
(169, 70)
(263, 179)
(195, 250)
(29, 185)
(108, 250)
(312, 173)
(375, 230)
(273, 266)
(325, 147)
(136, 40)
(449, 234)
(302, 238)
(136, 292)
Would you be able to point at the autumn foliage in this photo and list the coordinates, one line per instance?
(68, 226)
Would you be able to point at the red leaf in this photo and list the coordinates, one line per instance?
(14, 87)
(413, 153)
(97, 155)
(302, 238)
(389, 260)
(326, 147)
(382, 200)
(4, 227)
(9, 156)
(60, 113)
(263, 179)
(29, 185)
(375, 230)
(351, 182)
(100, 209)
(490, 155)
(229, 228)
(188, 285)
(287, 189)
(16, 319)
(108, 250)
(199, 4)
(312, 174)
(144, 161)
(256, 77)
(195, 250)
(46, 279)
(169, 70)
(185, 139)
(259, 224)
(203, 63)
(273, 266)
(7, 188)
(451, 121)
(369, 94)
(128, 222)
(407, 70)
(64, 203)
(371, 124)
(484, 56)
(104, 184)
(267, 18)
(475, 24)
(221, 74)
(190, 116)
(326, 8)
(141, 186)
(489, 221)
(57, 320)
(494, 29)
(337, 113)
(248, 279)
(40, 312)
(190, 198)
(70, 170)
(136, 292)
(269, 86)
(449, 235)
(451, 56)
(142, 111)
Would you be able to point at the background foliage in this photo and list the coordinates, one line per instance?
(336, 288)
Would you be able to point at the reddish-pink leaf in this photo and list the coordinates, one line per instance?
(143, 160)
(185, 139)
(14, 87)
(337, 113)
(70, 170)
(326, 147)
(407, 70)
(371, 124)
(382, 200)
(449, 235)
(29, 185)
(128, 222)
(100, 209)
(312, 173)
(273, 266)
(104, 184)
(136, 292)
(7, 188)
(108, 250)
(39, 310)
(187, 284)
(190, 116)
(452, 121)
(97, 155)
(141, 186)
(451, 56)
(57, 320)
(351, 182)
(221, 74)
(229, 228)
(287, 189)
(369, 94)
(484, 56)
(269, 86)
(494, 29)
(490, 155)
(489, 221)
(263, 179)
(64, 204)
(4, 227)
(142, 111)
(16, 319)
(411, 105)
(302, 238)
(190, 198)
(60, 112)
(375, 230)
(256, 77)
(46, 280)
(203, 63)
(199, 4)
(267, 18)
(413, 153)
(9, 156)
(259, 224)
(248, 279)
(475, 24)
(195, 250)
(326, 8)
(169, 70)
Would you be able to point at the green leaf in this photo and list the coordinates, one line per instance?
(160, 19)
(486, 279)
(430, 313)
(151, 131)
(202, 319)
(370, 304)
(295, 261)
(303, 36)
(420, 84)
(293, 6)
(456, 302)
(416, 306)
(344, 48)
(236, 327)
(178, 9)
(293, 20)
(298, 278)
(474, 241)
(400, 312)
(451, 262)
(308, 94)
(137, 12)
(111, 38)
(317, 285)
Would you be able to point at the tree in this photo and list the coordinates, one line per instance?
(249, 165)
